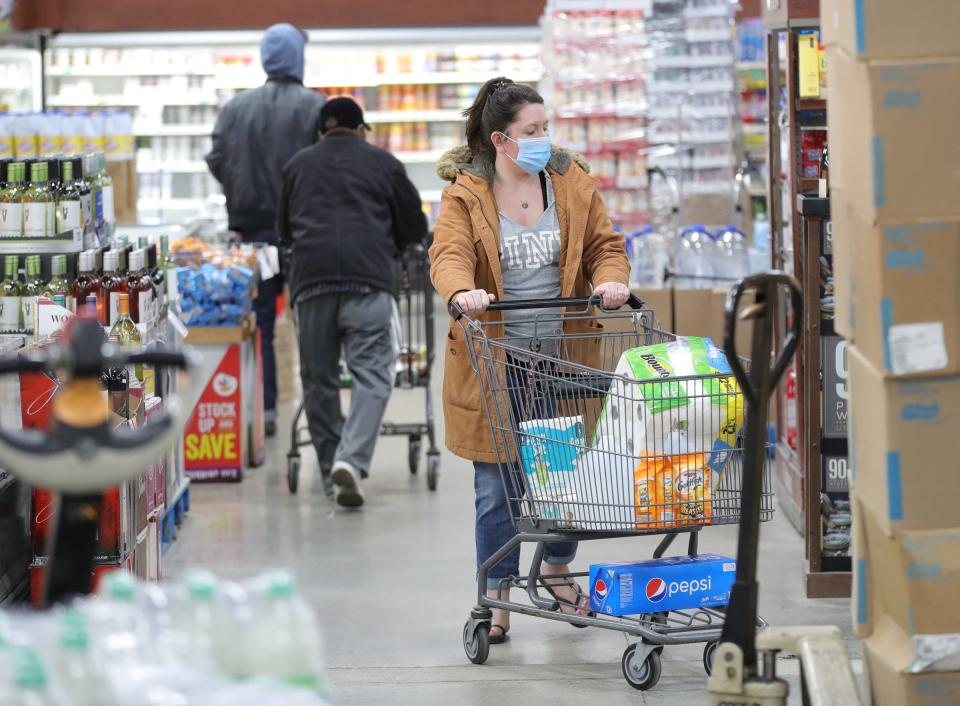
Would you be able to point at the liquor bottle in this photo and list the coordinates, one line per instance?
(69, 212)
(11, 208)
(114, 284)
(32, 288)
(86, 207)
(87, 284)
(53, 175)
(105, 189)
(4, 167)
(116, 381)
(169, 269)
(156, 276)
(10, 292)
(39, 209)
(96, 195)
(58, 286)
(140, 289)
(126, 333)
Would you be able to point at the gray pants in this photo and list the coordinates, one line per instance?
(362, 325)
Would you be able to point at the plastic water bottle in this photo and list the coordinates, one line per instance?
(732, 255)
(284, 636)
(121, 625)
(78, 671)
(31, 679)
(695, 258)
(203, 616)
(646, 259)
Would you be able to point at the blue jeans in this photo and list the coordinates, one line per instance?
(494, 509)
(495, 528)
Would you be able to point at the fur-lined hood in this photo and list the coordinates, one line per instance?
(462, 159)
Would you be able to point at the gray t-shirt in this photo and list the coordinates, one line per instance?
(530, 262)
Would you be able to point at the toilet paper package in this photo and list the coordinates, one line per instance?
(602, 489)
(548, 454)
(680, 389)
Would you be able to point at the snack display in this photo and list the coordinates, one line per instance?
(216, 284)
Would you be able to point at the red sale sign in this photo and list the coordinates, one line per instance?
(212, 443)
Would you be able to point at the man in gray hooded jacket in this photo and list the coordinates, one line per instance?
(255, 135)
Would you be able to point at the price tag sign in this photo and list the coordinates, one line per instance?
(826, 246)
(836, 474)
(833, 353)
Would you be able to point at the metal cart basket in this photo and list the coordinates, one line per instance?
(414, 365)
(588, 451)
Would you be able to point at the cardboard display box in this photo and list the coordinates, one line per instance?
(909, 576)
(701, 312)
(892, 663)
(891, 28)
(660, 302)
(897, 294)
(893, 146)
(905, 447)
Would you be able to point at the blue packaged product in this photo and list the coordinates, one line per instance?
(240, 275)
(672, 583)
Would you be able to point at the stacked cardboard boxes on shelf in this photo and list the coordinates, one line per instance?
(894, 95)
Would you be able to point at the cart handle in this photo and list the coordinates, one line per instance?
(765, 285)
(594, 300)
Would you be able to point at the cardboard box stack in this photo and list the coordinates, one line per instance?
(894, 96)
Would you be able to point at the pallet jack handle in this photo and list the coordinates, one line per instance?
(756, 385)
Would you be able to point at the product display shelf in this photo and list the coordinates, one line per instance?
(20, 73)
(691, 94)
(800, 227)
(596, 58)
(413, 84)
(173, 515)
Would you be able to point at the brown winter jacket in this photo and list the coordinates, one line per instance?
(465, 256)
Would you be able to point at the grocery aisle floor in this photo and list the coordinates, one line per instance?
(393, 585)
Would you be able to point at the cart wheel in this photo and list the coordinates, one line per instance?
(413, 454)
(643, 676)
(477, 645)
(709, 652)
(293, 473)
(433, 471)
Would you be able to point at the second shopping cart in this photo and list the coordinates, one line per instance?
(590, 450)
(415, 334)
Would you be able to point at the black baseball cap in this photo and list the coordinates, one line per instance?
(341, 112)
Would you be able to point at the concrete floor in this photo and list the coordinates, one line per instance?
(393, 585)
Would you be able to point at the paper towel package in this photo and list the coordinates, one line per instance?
(659, 414)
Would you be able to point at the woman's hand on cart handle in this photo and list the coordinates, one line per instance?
(614, 294)
(472, 303)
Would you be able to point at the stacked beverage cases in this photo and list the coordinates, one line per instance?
(199, 641)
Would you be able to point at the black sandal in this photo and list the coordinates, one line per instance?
(563, 602)
(502, 637)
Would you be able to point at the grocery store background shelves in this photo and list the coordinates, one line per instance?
(188, 166)
(413, 116)
(171, 130)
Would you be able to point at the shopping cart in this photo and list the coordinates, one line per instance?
(414, 365)
(569, 374)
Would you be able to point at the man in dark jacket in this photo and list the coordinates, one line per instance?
(346, 209)
(256, 134)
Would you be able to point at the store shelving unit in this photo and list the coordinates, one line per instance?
(800, 229)
(20, 72)
(413, 83)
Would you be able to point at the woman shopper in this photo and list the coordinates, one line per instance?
(521, 220)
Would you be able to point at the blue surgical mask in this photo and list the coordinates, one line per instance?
(533, 154)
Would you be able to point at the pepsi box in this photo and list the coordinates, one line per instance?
(671, 583)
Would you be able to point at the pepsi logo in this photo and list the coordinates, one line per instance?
(600, 589)
(656, 590)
